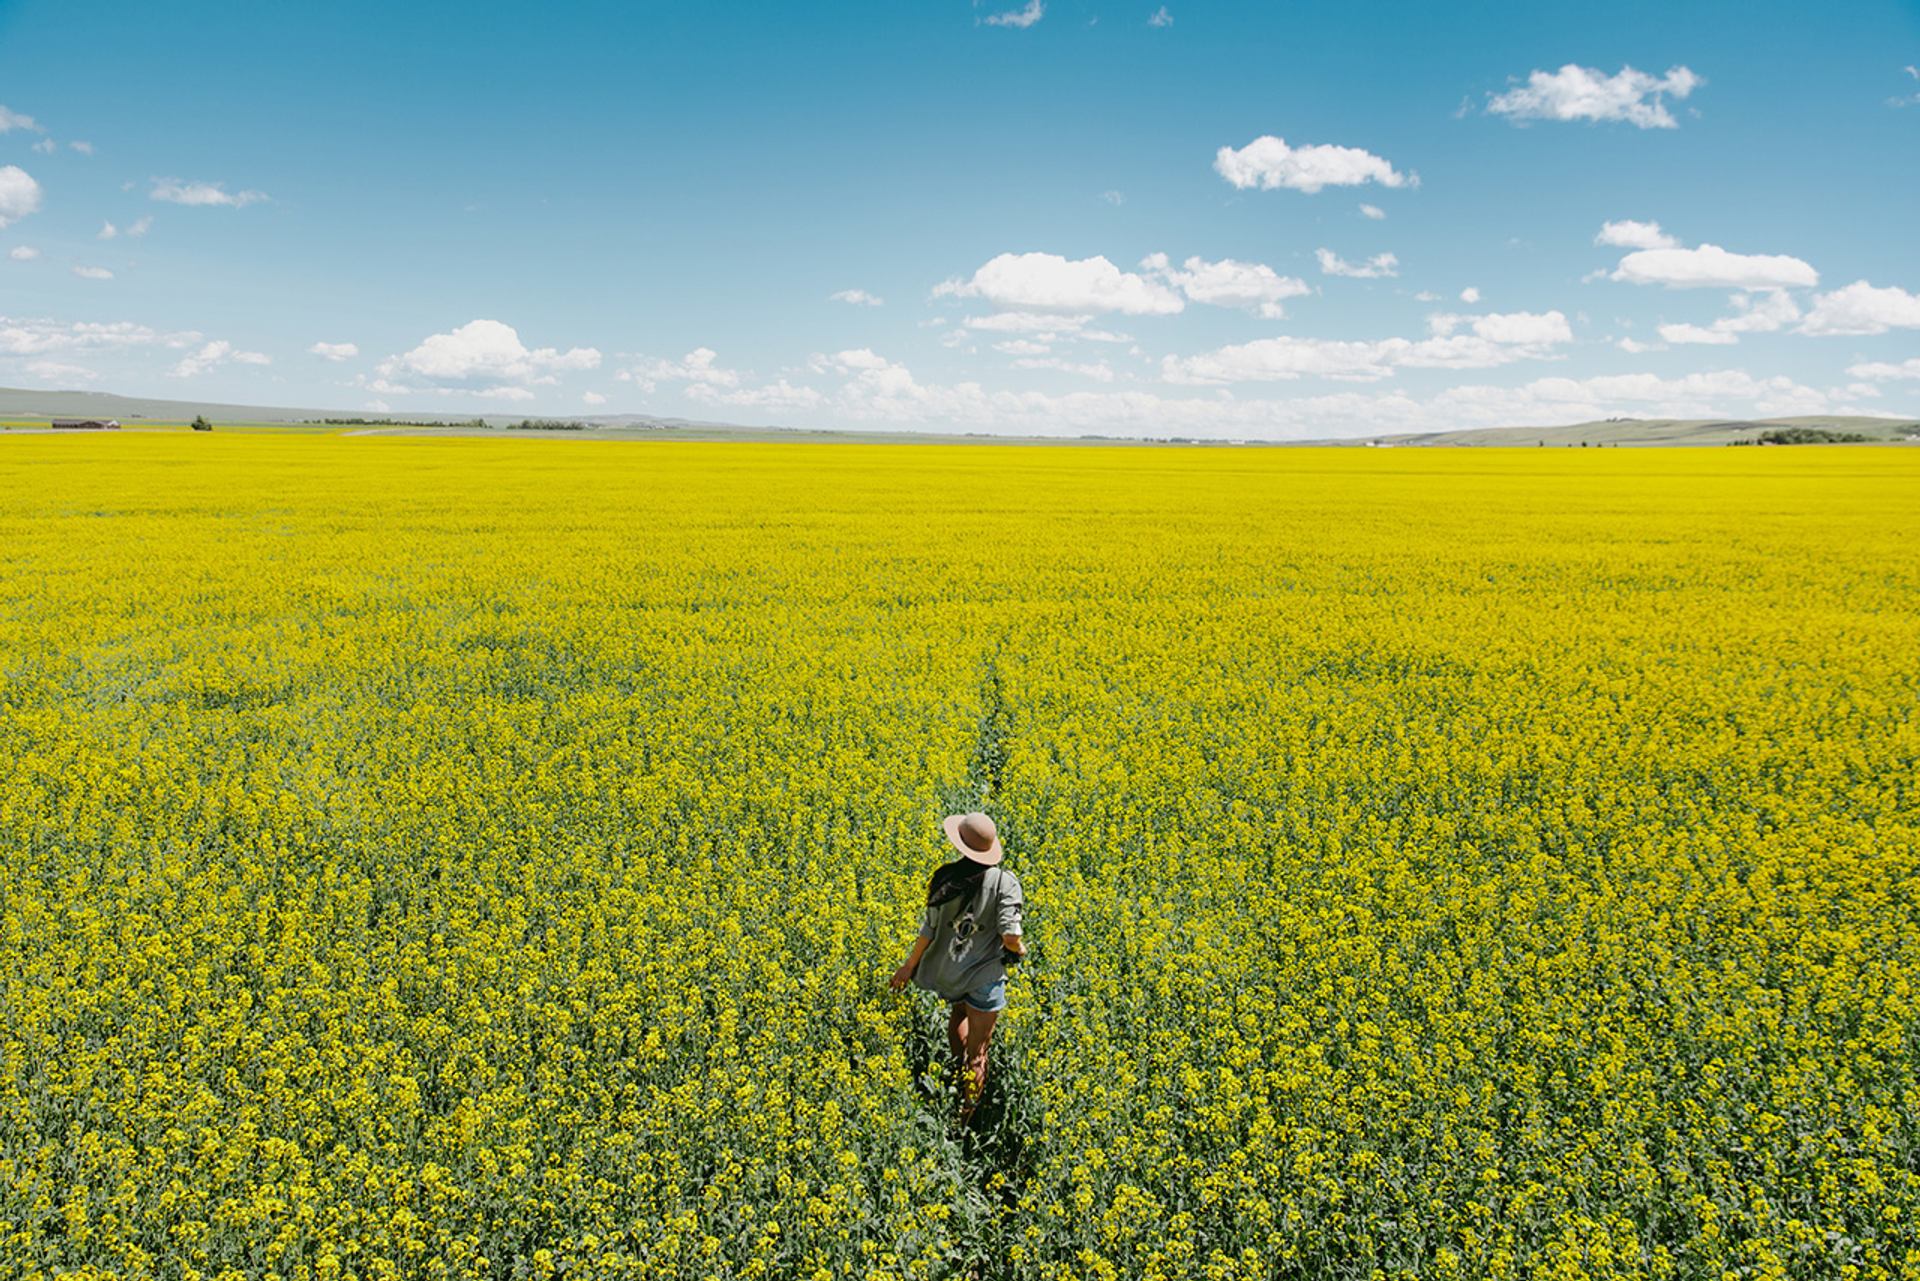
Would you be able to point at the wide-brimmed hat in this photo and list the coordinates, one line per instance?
(975, 837)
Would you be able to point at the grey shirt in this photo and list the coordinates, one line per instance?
(963, 936)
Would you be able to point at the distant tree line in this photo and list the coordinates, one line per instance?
(1805, 436)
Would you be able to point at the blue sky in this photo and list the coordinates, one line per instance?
(1076, 216)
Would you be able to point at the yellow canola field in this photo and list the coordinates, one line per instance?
(483, 858)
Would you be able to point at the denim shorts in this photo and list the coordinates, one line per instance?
(989, 997)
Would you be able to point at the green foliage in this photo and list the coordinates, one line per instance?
(200, 423)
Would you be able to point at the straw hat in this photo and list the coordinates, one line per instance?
(974, 836)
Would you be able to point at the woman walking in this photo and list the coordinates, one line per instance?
(969, 935)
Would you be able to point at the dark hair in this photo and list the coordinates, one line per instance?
(951, 880)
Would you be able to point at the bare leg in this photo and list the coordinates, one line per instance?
(957, 1031)
(973, 1076)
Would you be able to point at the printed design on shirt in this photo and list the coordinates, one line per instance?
(964, 926)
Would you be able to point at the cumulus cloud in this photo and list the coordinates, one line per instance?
(1633, 346)
(485, 350)
(1681, 335)
(1018, 18)
(1374, 212)
(592, 398)
(1628, 234)
(107, 231)
(700, 366)
(1471, 294)
(779, 394)
(11, 120)
(1585, 93)
(93, 273)
(1860, 308)
(140, 226)
(1249, 286)
(334, 351)
(83, 147)
(1886, 371)
(175, 192)
(46, 146)
(1753, 314)
(886, 393)
(1495, 339)
(1049, 282)
(1268, 162)
(1098, 370)
(857, 297)
(1711, 267)
(218, 352)
(1379, 265)
(19, 194)
(35, 336)
(59, 372)
(23, 253)
(1161, 18)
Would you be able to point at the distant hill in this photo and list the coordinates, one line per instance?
(1648, 431)
(28, 407)
(19, 404)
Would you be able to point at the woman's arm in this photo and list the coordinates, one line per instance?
(904, 975)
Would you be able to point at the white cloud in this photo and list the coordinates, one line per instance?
(775, 395)
(1049, 282)
(1860, 308)
(1682, 335)
(334, 351)
(592, 398)
(1471, 294)
(23, 253)
(486, 350)
(857, 297)
(1495, 340)
(1028, 322)
(19, 194)
(700, 366)
(46, 146)
(1884, 371)
(60, 372)
(39, 336)
(1427, 295)
(1022, 347)
(1160, 18)
(1250, 286)
(1114, 198)
(1268, 162)
(107, 231)
(387, 387)
(1753, 314)
(11, 120)
(1097, 370)
(1379, 265)
(1711, 267)
(83, 147)
(885, 393)
(1020, 18)
(217, 352)
(1628, 234)
(1374, 212)
(1583, 93)
(1633, 346)
(174, 191)
(93, 273)
(140, 226)
(1907, 100)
